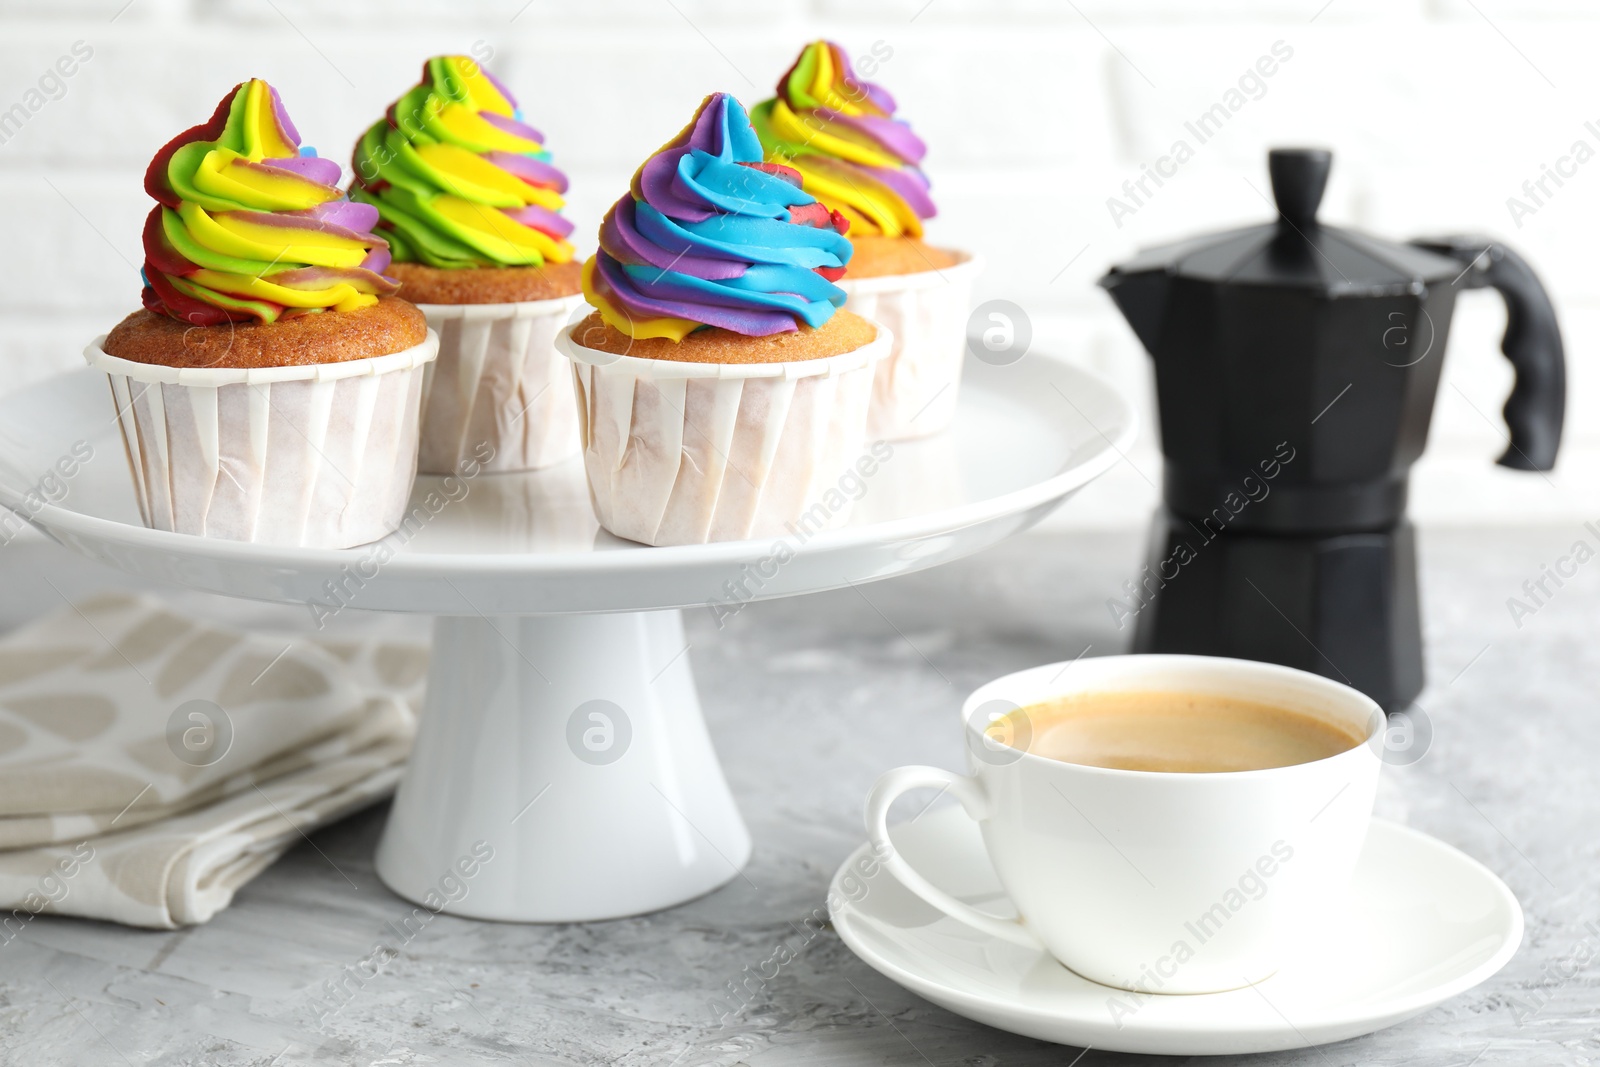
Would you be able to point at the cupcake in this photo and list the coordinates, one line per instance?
(722, 394)
(269, 389)
(853, 155)
(470, 204)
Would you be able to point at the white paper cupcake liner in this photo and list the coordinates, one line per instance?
(685, 453)
(498, 381)
(914, 394)
(317, 456)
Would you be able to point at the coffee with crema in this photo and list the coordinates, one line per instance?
(1193, 733)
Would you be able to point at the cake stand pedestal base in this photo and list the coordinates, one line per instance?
(562, 773)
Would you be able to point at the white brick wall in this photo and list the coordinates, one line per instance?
(1035, 112)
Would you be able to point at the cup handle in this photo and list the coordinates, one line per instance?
(970, 793)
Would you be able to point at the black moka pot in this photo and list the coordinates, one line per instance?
(1296, 367)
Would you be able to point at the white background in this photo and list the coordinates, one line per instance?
(1034, 113)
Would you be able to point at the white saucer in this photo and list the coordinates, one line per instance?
(1425, 924)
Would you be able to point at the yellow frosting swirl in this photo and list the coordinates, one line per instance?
(841, 135)
(458, 178)
(250, 227)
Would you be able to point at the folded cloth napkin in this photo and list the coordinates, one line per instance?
(151, 764)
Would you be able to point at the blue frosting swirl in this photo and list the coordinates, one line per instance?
(710, 235)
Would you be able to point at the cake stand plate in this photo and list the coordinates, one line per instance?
(562, 755)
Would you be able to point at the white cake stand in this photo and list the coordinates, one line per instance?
(561, 727)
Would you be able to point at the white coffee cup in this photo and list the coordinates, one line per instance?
(1152, 881)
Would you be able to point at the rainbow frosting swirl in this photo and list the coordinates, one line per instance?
(840, 133)
(459, 180)
(710, 235)
(250, 226)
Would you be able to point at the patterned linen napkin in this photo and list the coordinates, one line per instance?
(152, 764)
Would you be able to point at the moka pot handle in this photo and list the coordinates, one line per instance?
(1537, 405)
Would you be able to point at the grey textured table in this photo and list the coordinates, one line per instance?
(808, 700)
